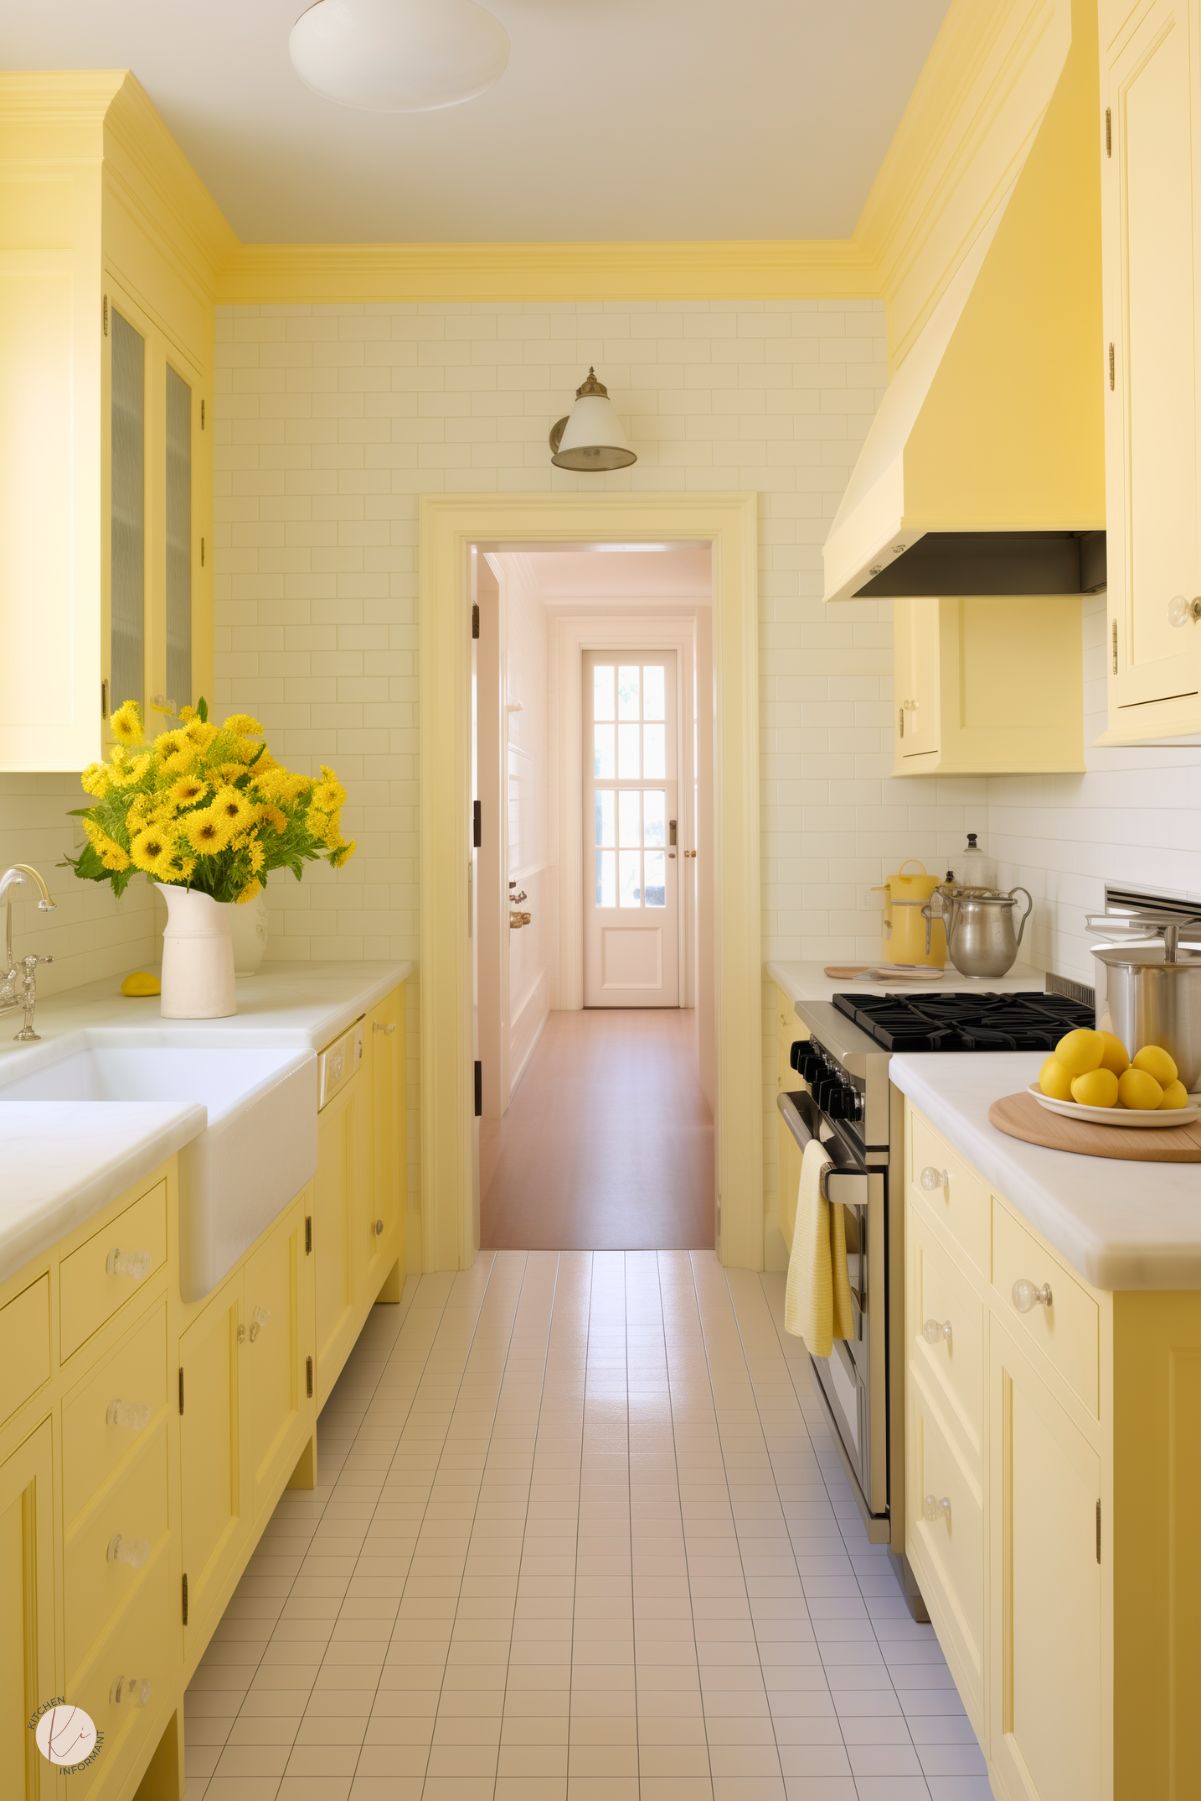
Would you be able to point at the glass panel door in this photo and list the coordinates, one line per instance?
(177, 574)
(127, 512)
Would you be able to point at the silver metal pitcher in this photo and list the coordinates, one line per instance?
(981, 935)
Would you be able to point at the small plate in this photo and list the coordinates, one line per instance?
(1116, 1116)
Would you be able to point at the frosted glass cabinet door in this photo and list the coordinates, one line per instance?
(127, 513)
(177, 590)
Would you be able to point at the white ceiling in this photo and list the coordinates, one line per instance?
(615, 118)
(597, 579)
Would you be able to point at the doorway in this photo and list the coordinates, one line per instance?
(450, 527)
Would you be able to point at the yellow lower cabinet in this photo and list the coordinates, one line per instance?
(386, 1074)
(27, 1660)
(1046, 1679)
(212, 1510)
(109, 1547)
(341, 1186)
(944, 1538)
(131, 1684)
(276, 1360)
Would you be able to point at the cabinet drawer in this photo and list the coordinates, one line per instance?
(1066, 1327)
(111, 1551)
(24, 1345)
(131, 1683)
(945, 1325)
(954, 1193)
(93, 1285)
(108, 1417)
(945, 1540)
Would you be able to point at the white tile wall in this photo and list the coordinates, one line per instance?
(331, 421)
(89, 934)
(1134, 817)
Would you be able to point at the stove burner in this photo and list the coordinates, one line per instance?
(965, 1022)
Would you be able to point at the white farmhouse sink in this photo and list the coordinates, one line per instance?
(259, 1149)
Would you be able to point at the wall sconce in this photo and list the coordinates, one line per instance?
(592, 437)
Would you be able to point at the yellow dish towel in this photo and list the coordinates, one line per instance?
(817, 1298)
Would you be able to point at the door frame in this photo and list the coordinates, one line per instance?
(449, 526)
(573, 635)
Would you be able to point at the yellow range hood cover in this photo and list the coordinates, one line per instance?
(983, 471)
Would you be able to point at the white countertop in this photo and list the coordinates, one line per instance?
(809, 981)
(62, 1161)
(1123, 1225)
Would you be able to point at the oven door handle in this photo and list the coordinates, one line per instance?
(803, 1117)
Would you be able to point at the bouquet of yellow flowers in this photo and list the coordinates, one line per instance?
(204, 806)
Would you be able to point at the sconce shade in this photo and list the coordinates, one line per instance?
(592, 437)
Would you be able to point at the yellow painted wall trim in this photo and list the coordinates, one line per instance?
(144, 158)
(347, 274)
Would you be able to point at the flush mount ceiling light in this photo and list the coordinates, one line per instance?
(398, 56)
(592, 437)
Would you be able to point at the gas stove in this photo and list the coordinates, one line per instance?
(964, 1022)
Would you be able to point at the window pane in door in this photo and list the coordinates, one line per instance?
(628, 685)
(606, 828)
(655, 750)
(655, 890)
(629, 762)
(602, 755)
(127, 504)
(631, 878)
(654, 691)
(654, 817)
(602, 691)
(606, 878)
(178, 589)
(630, 819)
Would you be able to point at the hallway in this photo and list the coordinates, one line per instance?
(583, 1536)
(608, 1142)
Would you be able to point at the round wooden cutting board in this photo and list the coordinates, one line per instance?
(1021, 1116)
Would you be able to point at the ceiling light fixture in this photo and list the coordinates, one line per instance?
(591, 437)
(398, 56)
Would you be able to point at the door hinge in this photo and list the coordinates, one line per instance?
(104, 697)
(1112, 368)
(181, 1388)
(184, 1597)
(1108, 132)
(104, 315)
(202, 551)
(1114, 641)
(479, 1089)
(202, 412)
(1098, 1531)
(475, 621)
(477, 825)
(308, 1235)
(308, 1375)
(900, 722)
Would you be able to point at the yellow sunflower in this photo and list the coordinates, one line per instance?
(152, 851)
(329, 793)
(233, 807)
(126, 771)
(342, 854)
(107, 849)
(126, 723)
(207, 832)
(274, 818)
(96, 780)
(257, 856)
(243, 725)
(248, 893)
(317, 822)
(175, 752)
(188, 790)
(199, 732)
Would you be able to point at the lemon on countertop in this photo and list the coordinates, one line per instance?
(1175, 1095)
(1096, 1088)
(1080, 1051)
(1114, 1056)
(1054, 1080)
(1157, 1062)
(1139, 1090)
(141, 983)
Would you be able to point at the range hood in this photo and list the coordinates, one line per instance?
(983, 471)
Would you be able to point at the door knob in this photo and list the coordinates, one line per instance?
(1182, 611)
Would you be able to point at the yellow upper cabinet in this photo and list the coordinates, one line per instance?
(1151, 216)
(109, 248)
(987, 686)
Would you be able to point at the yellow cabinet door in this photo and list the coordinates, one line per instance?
(386, 1071)
(916, 682)
(277, 1364)
(341, 1202)
(26, 1614)
(1045, 1673)
(213, 1513)
(1151, 191)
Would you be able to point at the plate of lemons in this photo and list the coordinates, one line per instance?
(1091, 1076)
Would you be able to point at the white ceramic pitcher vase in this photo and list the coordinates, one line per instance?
(198, 956)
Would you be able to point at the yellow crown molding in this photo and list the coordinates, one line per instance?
(141, 154)
(273, 274)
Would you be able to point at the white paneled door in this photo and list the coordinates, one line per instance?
(631, 806)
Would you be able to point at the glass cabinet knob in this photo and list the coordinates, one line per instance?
(1028, 1295)
(933, 1179)
(937, 1331)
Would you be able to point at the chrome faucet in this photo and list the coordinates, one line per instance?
(19, 985)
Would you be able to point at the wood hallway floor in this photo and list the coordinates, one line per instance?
(608, 1142)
